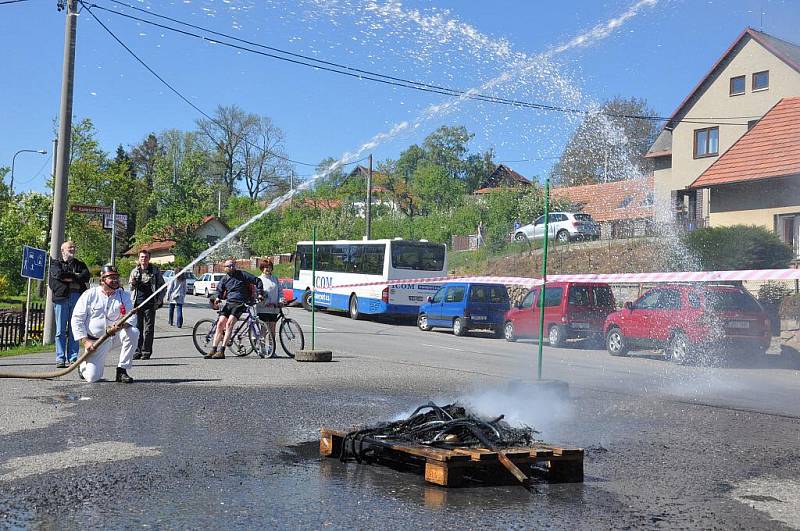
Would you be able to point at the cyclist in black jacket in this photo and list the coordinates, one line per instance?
(238, 289)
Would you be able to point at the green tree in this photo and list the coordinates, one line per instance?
(608, 145)
(436, 189)
(23, 221)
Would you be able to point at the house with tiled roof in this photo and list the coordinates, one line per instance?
(502, 177)
(757, 180)
(622, 208)
(209, 229)
(751, 76)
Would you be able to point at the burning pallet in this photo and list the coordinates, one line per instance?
(451, 467)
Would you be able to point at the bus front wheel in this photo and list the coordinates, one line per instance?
(307, 300)
(354, 313)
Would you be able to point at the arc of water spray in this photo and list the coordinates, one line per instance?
(598, 32)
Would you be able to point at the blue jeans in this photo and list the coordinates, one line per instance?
(179, 320)
(66, 345)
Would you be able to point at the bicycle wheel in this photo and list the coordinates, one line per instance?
(262, 340)
(291, 336)
(203, 335)
(240, 341)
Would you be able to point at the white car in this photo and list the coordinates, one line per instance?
(207, 284)
(563, 226)
(190, 279)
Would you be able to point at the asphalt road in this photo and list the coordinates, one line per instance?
(233, 443)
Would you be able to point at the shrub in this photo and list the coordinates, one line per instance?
(738, 247)
(5, 287)
(790, 307)
(772, 293)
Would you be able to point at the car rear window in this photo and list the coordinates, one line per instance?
(286, 284)
(218, 276)
(603, 296)
(583, 217)
(488, 294)
(730, 300)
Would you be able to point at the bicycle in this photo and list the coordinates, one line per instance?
(248, 335)
(289, 333)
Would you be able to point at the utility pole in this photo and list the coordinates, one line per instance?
(219, 204)
(62, 156)
(113, 231)
(369, 199)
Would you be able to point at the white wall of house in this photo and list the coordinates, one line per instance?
(715, 102)
(212, 231)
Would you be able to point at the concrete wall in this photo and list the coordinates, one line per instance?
(714, 100)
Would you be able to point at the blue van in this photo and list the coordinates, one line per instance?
(466, 306)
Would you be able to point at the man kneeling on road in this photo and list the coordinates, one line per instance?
(96, 312)
(238, 289)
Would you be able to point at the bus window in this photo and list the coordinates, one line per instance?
(418, 256)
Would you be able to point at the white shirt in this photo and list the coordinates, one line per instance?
(95, 311)
(271, 294)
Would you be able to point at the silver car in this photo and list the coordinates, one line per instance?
(563, 226)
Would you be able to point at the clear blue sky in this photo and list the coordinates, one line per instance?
(658, 53)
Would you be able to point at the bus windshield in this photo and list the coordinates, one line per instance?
(418, 256)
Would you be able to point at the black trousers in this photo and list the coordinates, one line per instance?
(146, 322)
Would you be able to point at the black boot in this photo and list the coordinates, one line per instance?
(122, 376)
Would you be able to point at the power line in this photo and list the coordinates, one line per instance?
(4, 2)
(186, 100)
(367, 75)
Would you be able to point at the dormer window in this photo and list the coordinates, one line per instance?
(761, 80)
(737, 85)
(706, 142)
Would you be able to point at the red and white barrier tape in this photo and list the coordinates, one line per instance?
(612, 278)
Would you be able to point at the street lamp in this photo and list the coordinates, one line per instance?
(13, 160)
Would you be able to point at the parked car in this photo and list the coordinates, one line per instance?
(571, 310)
(190, 279)
(465, 306)
(207, 284)
(563, 226)
(686, 320)
(287, 292)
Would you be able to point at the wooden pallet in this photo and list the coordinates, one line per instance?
(454, 467)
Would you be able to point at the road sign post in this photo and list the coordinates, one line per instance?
(33, 267)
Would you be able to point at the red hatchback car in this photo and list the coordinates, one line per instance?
(571, 310)
(685, 320)
(286, 293)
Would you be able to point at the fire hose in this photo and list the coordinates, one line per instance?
(109, 333)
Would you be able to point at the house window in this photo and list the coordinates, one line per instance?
(737, 85)
(761, 80)
(751, 124)
(706, 142)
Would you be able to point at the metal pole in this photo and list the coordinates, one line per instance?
(369, 200)
(544, 275)
(219, 204)
(62, 155)
(313, 281)
(27, 314)
(113, 230)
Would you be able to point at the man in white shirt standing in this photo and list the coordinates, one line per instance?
(97, 311)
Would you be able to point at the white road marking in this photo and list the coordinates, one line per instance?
(92, 454)
(446, 348)
(776, 497)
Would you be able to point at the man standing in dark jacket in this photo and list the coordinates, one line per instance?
(69, 277)
(145, 280)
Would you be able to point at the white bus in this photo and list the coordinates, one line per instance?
(345, 262)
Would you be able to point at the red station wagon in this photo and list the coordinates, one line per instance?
(571, 310)
(686, 319)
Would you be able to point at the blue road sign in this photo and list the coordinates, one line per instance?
(33, 262)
